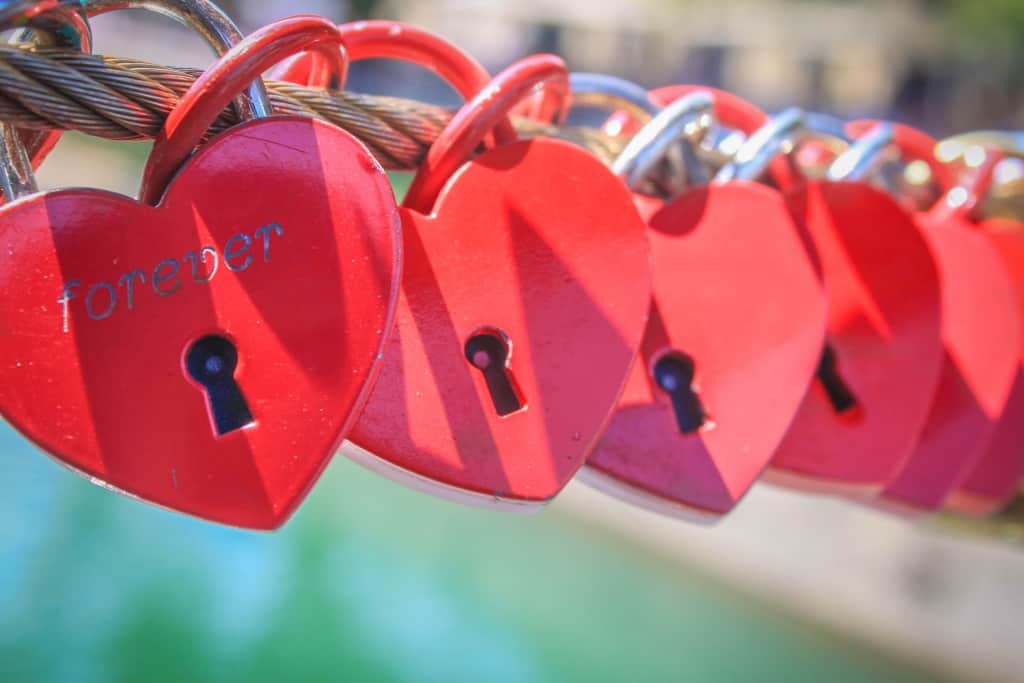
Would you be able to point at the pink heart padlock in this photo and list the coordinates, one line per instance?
(209, 351)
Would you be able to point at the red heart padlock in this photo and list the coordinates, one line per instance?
(736, 330)
(880, 365)
(861, 419)
(981, 340)
(524, 297)
(883, 329)
(996, 476)
(208, 353)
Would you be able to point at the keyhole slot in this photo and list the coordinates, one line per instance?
(839, 394)
(211, 361)
(488, 352)
(673, 374)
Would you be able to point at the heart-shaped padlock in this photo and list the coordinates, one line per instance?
(996, 476)
(980, 332)
(209, 352)
(736, 329)
(524, 297)
(880, 364)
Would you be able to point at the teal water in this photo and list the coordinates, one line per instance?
(369, 582)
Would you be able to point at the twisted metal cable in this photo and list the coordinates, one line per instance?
(128, 99)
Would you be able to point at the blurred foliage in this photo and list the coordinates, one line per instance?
(993, 29)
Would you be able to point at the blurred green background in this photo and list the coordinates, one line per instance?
(369, 582)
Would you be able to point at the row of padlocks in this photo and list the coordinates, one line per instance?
(823, 304)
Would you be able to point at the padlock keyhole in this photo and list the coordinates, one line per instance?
(839, 394)
(674, 373)
(488, 352)
(211, 361)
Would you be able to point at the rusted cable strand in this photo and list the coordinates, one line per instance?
(128, 99)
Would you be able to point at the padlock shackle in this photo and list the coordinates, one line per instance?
(209, 21)
(477, 118)
(1010, 143)
(629, 99)
(384, 39)
(21, 151)
(381, 39)
(669, 127)
(785, 129)
(860, 159)
(612, 93)
(731, 112)
(59, 19)
(912, 143)
(961, 201)
(218, 85)
(593, 90)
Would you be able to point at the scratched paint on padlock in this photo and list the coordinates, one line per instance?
(292, 262)
(981, 338)
(736, 293)
(884, 332)
(539, 244)
(996, 476)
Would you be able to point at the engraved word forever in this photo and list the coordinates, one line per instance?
(101, 299)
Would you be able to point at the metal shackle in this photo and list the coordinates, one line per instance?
(203, 16)
(778, 136)
(206, 19)
(655, 140)
(60, 25)
(864, 155)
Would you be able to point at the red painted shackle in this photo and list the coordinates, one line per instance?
(477, 118)
(219, 84)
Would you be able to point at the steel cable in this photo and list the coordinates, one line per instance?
(128, 99)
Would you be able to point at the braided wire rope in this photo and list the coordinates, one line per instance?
(128, 99)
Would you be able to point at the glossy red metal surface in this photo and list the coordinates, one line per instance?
(884, 331)
(536, 248)
(736, 292)
(279, 238)
(996, 476)
(982, 344)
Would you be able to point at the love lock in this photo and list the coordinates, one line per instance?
(738, 315)
(996, 476)
(879, 368)
(980, 330)
(523, 304)
(208, 348)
